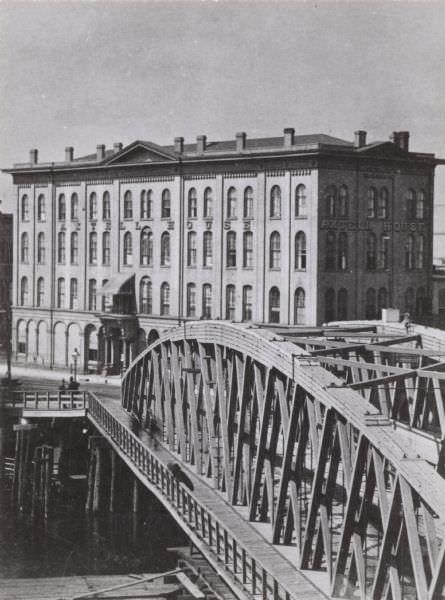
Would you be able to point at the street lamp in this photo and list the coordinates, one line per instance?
(75, 356)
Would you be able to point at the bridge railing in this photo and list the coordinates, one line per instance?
(47, 401)
(244, 568)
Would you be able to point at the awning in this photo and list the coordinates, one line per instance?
(115, 284)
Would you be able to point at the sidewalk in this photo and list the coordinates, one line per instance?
(19, 371)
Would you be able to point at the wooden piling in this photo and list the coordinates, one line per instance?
(97, 479)
(113, 468)
(135, 495)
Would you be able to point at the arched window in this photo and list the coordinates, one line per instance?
(372, 203)
(61, 292)
(370, 304)
(191, 300)
(24, 291)
(329, 305)
(248, 203)
(330, 251)
(128, 249)
(300, 201)
(343, 202)
(24, 248)
(146, 204)
(191, 249)
(207, 301)
(25, 208)
(420, 252)
(342, 304)
(40, 291)
(61, 253)
(371, 252)
(93, 248)
(165, 249)
(41, 249)
(342, 255)
(74, 210)
(382, 209)
(208, 203)
(410, 202)
(231, 203)
(330, 200)
(41, 208)
(62, 208)
(106, 248)
(145, 296)
(248, 249)
(274, 305)
(383, 257)
(165, 204)
(421, 302)
(106, 206)
(192, 211)
(92, 294)
(230, 302)
(275, 202)
(74, 248)
(93, 206)
(74, 293)
(274, 250)
(420, 205)
(409, 252)
(165, 299)
(231, 249)
(247, 303)
(207, 251)
(300, 251)
(382, 301)
(128, 205)
(409, 301)
(146, 250)
(299, 306)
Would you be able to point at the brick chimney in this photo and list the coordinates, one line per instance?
(34, 156)
(117, 147)
(359, 138)
(240, 141)
(179, 145)
(69, 154)
(400, 139)
(289, 134)
(100, 152)
(201, 144)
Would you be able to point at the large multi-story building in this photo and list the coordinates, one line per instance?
(113, 247)
(5, 281)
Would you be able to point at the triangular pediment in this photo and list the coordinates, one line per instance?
(383, 149)
(141, 152)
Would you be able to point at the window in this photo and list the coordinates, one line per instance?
(92, 294)
(74, 211)
(330, 200)
(106, 206)
(24, 291)
(41, 208)
(230, 302)
(329, 305)
(61, 247)
(420, 205)
(191, 300)
(383, 258)
(342, 255)
(274, 250)
(93, 248)
(41, 248)
(420, 247)
(409, 253)
(299, 306)
(165, 299)
(300, 251)
(207, 301)
(330, 251)
(248, 249)
(61, 292)
(128, 205)
(93, 206)
(275, 202)
(146, 204)
(191, 249)
(192, 211)
(146, 250)
(409, 301)
(231, 203)
(145, 296)
(248, 203)
(343, 202)
(421, 302)
(247, 303)
(165, 204)
(106, 248)
(40, 291)
(62, 208)
(274, 305)
(74, 248)
(208, 203)
(25, 208)
(165, 249)
(370, 304)
(382, 300)
(208, 249)
(300, 201)
(24, 248)
(106, 304)
(342, 304)
(410, 203)
(128, 249)
(372, 203)
(382, 208)
(371, 252)
(73, 293)
(231, 249)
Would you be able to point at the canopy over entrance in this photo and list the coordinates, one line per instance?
(116, 283)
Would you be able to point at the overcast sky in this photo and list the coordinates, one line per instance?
(81, 73)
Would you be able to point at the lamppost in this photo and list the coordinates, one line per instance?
(75, 356)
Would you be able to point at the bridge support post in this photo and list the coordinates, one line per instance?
(95, 474)
(113, 467)
(22, 462)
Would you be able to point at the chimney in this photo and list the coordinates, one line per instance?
(404, 140)
(179, 145)
(117, 147)
(100, 152)
(69, 154)
(289, 134)
(201, 144)
(394, 137)
(240, 141)
(34, 156)
(359, 138)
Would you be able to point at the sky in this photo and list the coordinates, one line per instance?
(85, 73)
